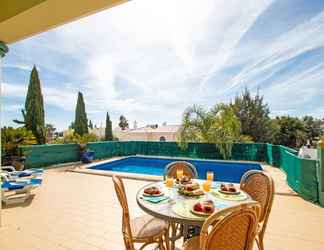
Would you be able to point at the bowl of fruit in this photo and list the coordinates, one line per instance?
(203, 208)
(228, 188)
(152, 191)
(192, 189)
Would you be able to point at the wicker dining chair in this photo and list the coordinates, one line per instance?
(188, 169)
(233, 228)
(144, 229)
(260, 186)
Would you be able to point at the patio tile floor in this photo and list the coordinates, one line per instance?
(79, 211)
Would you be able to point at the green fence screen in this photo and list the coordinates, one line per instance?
(301, 173)
(46, 155)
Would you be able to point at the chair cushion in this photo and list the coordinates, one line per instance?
(147, 226)
(192, 244)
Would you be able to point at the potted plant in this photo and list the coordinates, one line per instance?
(86, 156)
(11, 141)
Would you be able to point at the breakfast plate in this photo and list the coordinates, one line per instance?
(229, 189)
(153, 195)
(199, 213)
(230, 192)
(203, 208)
(152, 192)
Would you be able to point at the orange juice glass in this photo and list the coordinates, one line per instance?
(169, 182)
(206, 186)
(179, 173)
(210, 176)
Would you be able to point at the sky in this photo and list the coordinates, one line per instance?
(150, 59)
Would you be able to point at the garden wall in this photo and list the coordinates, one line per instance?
(45, 155)
(301, 173)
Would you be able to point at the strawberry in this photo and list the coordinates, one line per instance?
(198, 207)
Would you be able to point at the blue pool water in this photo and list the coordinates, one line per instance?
(224, 171)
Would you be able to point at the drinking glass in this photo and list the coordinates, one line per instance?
(169, 182)
(210, 176)
(169, 185)
(207, 185)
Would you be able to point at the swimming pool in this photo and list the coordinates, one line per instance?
(224, 171)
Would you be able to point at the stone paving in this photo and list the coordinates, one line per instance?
(80, 211)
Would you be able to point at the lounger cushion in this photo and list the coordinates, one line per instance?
(24, 174)
(147, 226)
(12, 185)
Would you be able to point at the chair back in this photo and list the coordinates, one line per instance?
(188, 169)
(121, 195)
(233, 228)
(260, 186)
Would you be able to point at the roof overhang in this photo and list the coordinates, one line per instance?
(20, 19)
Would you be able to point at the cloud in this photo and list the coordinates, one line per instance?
(24, 67)
(53, 97)
(287, 46)
(13, 90)
(150, 59)
(12, 108)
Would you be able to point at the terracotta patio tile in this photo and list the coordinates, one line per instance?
(78, 211)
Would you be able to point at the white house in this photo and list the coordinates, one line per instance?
(149, 133)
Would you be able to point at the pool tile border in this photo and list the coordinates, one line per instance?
(85, 168)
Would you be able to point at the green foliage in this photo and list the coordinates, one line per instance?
(81, 121)
(65, 140)
(108, 129)
(76, 138)
(12, 138)
(254, 116)
(71, 126)
(123, 123)
(49, 131)
(3, 49)
(313, 126)
(219, 126)
(246, 139)
(85, 138)
(33, 114)
(292, 132)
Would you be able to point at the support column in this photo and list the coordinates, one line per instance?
(3, 50)
(320, 150)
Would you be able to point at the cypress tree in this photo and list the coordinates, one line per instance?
(34, 108)
(90, 124)
(108, 129)
(81, 121)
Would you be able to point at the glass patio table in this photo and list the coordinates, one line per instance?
(175, 207)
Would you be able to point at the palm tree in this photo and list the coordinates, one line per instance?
(219, 126)
(49, 132)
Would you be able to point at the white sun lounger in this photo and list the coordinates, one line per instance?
(18, 196)
(12, 194)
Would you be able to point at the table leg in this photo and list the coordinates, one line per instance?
(190, 231)
(175, 228)
(173, 237)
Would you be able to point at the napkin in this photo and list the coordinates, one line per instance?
(155, 199)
